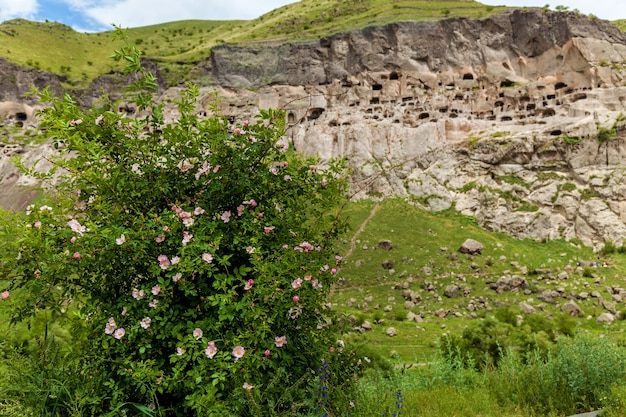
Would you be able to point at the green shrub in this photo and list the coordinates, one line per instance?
(468, 186)
(479, 345)
(608, 248)
(606, 134)
(506, 315)
(579, 375)
(198, 253)
(585, 368)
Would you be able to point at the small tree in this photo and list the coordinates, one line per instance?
(199, 254)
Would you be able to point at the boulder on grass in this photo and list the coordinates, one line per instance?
(472, 247)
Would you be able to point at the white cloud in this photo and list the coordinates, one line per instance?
(10, 9)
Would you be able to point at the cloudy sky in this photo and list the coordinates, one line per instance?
(98, 15)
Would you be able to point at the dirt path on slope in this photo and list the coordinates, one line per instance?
(353, 241)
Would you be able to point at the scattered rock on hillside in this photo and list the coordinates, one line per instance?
(548, 296)
(526, 308)
(572, 309)
(472, 247)
(442, 313)
(385, 244)
(609, 306)
(429, 286)
(391, 332)
(617, 291)
(387, 265)
(606, 318)
(412, 296)
(453, 291)
(509, 283)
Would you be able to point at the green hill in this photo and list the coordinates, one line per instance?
(56, 48)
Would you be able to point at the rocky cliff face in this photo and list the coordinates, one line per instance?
(515, 119)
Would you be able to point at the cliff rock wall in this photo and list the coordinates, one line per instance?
(515, 119)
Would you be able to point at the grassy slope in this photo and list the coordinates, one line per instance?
(57, 48)
(418, 238)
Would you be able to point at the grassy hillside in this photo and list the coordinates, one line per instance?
(425, 249)
(56, 48)
(312, 19)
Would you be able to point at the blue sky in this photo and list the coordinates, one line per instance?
(98, 15)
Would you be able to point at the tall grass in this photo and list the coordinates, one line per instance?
(581, 374)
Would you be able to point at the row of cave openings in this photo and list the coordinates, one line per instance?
(315, 112)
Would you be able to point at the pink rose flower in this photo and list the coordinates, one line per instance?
(280, 341)
(211, 350)
(238, 352)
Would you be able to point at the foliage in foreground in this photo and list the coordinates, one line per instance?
(582, 373)
(196, 255)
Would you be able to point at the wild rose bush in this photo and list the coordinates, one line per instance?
(198, 253)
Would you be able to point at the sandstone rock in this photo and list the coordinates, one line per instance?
(453, 291)
(412, 296)
(548, 296)
(526, 308)
(572, 309)
(606, 318)
(509, 283)
(471, 247)
(609, 306)
(391, 332)
(442, 313)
